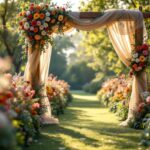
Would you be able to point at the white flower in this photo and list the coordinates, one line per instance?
(137, 60)
(43, 33)
(31, 28)
(28, 13)
(39, 23)
(30, 45)
(26, 26)
(26, 40)
(45, 25)
(135, 55)
(41, 5)
(48, 14)
(41, 27)
(51, 8)
(24, 19)
(24, 47)
(48, 19)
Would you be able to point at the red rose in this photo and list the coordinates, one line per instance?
(145, 46)
(10, 95)
(142, 64)
(31, 8)
(21, 23)
(33, 23)
(30, 16)
(139, 48)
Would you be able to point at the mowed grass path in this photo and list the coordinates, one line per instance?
(86, 125)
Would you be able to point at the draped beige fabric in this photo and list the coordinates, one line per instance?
(125, 28)
(36, 72)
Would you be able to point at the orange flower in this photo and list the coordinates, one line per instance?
(42, 16)
(135, 66)
(37, 37)
(36, 16)
(60, 18)
(142, 58)
(38, 7)
(35, 30)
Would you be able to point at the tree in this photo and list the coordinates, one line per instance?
(59, 59)
(79, 74)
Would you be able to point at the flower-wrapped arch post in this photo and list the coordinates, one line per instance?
(37, 24)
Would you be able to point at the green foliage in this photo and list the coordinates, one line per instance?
(79, 74)
(59, 58)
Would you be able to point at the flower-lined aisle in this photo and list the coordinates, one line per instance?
(20, 111)
(115, 94)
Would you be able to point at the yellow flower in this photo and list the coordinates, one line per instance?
(49, 90)
(16, 123)
(36, 16)
(60, 18)
(142, 58)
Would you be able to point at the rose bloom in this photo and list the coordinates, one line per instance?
(38, 23)
(47, 19)
(31, 28)
(53, 21)
(148, 100)
(42, 16)
(145, 46)
(134, 66)
(43, 33)
(145, 52)
(37, 37)
(33, 23)
(47, 14)
(35, 30)
(30, 16)
(141, 106)
(41, 27)
(35, 106)
(38, 8)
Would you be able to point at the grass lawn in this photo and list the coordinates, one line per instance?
(86, 125)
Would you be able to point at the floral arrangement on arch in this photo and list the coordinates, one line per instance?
(140, 59)
(40, 21)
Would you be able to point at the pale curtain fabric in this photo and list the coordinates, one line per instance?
(125, 29)
(36, 72)
(122, 36)
(122, 26)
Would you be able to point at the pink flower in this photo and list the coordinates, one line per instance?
(145, 52)
(148, 100)
(35, 106)
(141, 106)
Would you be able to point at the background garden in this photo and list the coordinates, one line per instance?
(80, 61)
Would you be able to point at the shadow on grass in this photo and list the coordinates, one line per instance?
(75, 119)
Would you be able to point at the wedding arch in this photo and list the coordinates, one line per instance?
(126, 31)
